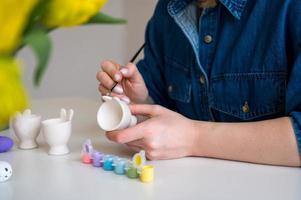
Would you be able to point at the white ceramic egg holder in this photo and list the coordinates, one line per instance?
(27, 128)
(56, 131)
(115, 114)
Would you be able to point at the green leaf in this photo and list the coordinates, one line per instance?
(40, 44)
(101, 18)
(36, 15)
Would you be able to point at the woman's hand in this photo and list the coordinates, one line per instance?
(130, 82)
(165, 135)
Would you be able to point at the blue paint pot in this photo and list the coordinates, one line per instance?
(119, 166)
(108, 163)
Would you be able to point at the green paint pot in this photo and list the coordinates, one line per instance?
(132, 173)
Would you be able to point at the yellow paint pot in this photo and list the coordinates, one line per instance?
(147, 174)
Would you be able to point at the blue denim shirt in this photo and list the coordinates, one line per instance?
(237, 62)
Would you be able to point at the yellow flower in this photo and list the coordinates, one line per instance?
(12, 94)
(13, 17)
(71, 12)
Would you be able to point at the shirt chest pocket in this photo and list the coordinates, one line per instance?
(178, 81)
(248, 96)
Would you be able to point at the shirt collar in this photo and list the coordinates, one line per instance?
(235, 7)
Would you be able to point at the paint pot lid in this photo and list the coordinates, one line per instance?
(109, 157)
(139, 159)
(87, 147)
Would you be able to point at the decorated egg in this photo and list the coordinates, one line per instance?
(5, 144)
(5, 171)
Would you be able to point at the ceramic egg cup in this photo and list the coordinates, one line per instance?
(114, 114)
(57, 132)
(27, 128)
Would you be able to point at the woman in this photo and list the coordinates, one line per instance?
(225, 78)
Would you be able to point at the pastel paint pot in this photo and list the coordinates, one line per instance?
(132, 173)
(108, 163)
(147, 174)
(119, 166)
(131, 170)
(97, 159)
(5, 144)
(86, 158)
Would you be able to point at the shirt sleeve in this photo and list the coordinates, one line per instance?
(293, 95)
(152, 65)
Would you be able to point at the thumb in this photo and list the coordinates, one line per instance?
(146, 109)
(127, 135)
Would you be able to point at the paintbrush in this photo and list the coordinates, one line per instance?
(131, 61)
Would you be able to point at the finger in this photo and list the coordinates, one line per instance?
(138, 143)
(122, 97)
(103, 91)
(106, 92)
(107, 82)
(146, 109)
(112, 69)
(129, 70)
(127, 135)
(152, 155)
(134, 148)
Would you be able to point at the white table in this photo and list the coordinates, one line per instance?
(38, 176)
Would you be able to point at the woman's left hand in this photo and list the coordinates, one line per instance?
(164, 135)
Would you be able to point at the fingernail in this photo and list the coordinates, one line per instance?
(118, 89)
(125, 99)
(124, 71)
(117, 77)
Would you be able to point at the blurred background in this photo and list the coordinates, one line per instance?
(77, 52)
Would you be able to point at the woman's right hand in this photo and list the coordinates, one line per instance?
(130, 87)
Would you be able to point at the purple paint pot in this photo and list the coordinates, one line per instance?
(97, 159)
(5, 144)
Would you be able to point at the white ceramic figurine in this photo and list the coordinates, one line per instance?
(114, 114)
(57, 132)
(27, 128)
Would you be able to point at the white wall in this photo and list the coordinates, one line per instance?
(77, 52)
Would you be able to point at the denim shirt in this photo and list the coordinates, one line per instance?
(237, 62)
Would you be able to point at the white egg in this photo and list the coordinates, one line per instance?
(5, 171)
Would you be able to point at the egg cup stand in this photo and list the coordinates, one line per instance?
(133, 169)
(57, 131)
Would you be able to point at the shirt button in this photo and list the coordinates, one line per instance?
(202, 80)
(208, 39)
(170, 88)
(246, 108)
